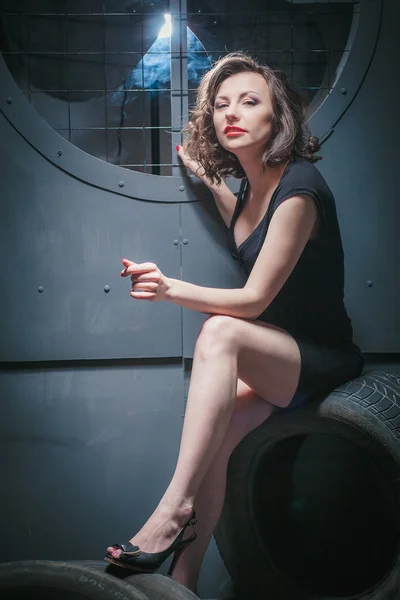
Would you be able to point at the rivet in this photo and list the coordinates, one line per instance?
(9, 100)
(40, 289)
(186, 242)
(343, 91)
(181, 188)
(175, 242)
(370, 283)
(59, 153)
(106, 288)
(121, 183)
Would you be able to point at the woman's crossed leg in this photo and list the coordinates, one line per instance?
(241, 370)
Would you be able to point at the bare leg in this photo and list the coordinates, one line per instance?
(268, 360)
(209, 409)
(251, 410)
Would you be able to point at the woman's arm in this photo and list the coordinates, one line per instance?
(224, 198)
(289, 230)
(239, 302)
(225, 201)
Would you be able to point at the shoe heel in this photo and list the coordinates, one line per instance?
(178, 553)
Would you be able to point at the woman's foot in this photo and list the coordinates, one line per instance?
(158, 533)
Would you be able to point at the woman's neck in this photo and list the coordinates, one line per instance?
(261, 183)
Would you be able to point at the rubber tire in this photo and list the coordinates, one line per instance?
(366, 411)
(153, 585)
(57, 580)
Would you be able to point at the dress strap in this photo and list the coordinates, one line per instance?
(239, 202)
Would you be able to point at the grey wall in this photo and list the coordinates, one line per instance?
(360, 163)
(93, 383)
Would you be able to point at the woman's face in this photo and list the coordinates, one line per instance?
(243, 101)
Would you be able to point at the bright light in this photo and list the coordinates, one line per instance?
(166, 29)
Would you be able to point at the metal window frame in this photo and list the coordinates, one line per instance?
(180, 187)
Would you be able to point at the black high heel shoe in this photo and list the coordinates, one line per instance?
(145, 562)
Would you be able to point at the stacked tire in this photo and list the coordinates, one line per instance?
(312, 507)
(84, 580)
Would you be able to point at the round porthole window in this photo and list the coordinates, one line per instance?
(116, 78)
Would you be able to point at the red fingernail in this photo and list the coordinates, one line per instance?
(178, 148)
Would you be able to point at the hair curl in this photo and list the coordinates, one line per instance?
(291, 136)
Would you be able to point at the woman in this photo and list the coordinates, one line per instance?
(280, 341)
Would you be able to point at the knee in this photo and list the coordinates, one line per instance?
(218, 332)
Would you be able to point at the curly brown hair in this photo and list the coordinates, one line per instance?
(291, 136)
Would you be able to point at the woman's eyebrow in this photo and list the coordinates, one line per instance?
(240, 95)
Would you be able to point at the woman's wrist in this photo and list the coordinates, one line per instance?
(171, 288)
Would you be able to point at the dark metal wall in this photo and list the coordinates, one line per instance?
(89, 444)
(360, 164)
(73, 237)
(86, 452)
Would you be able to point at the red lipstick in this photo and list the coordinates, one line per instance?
(233, 129)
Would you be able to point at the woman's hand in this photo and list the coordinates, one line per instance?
(148, 283)
(193, 166)
(224, 198)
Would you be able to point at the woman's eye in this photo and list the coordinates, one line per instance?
(251, 102)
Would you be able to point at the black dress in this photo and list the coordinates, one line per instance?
(310, 305)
